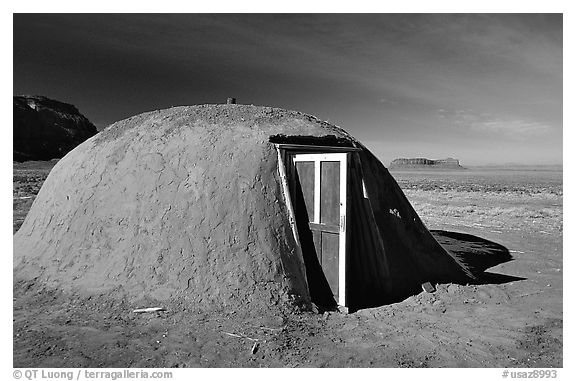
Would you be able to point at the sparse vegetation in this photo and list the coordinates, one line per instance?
(526, 200)
(27, 181)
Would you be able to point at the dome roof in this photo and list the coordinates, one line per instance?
(189, 202)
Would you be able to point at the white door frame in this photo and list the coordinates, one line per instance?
(341, 157)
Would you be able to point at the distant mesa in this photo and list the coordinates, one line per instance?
(46, 129)
(421, 163)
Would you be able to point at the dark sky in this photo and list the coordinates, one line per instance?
(481, 88)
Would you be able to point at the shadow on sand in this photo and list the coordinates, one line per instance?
(475, 253)
(478, 254)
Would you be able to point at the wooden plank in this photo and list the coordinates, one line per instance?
(308, 148)
(342, 270)
(284, 159)
(324, 227)
(316, 189)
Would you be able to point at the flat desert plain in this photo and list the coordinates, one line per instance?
(513, 320)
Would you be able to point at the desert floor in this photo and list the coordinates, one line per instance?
(513, 321)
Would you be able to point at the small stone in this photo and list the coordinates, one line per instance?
(315, 308)
(343, 310)
(428, 287)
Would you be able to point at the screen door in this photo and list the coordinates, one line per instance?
(322, 178)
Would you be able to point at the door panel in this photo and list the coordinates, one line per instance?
(305, 171)
(317, 237)
(330, 192)
(330, 253)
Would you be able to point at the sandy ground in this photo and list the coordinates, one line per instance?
(513, 321)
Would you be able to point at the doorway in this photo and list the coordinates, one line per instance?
(319, 190)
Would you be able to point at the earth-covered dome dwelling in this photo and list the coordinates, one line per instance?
(229, 205)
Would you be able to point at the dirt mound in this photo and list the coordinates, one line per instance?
(188, 203)
(172, 203)
(45, 129)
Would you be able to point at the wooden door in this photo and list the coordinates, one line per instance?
(322, 178)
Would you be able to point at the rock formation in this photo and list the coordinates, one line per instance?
(422, 163)
(46, 129)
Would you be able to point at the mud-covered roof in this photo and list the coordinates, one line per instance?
(279, 125)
